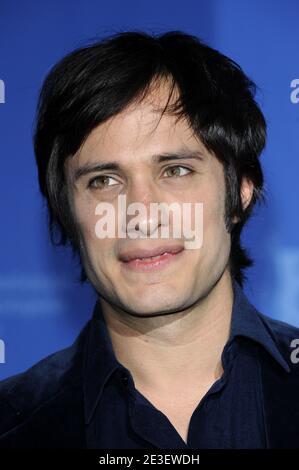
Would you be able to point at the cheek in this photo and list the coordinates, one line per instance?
(100, 251)
(213, 206)
(213, 213)
(214, 216)
(87, 219)
(217, 240)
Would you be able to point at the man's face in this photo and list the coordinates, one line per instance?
(133, 140)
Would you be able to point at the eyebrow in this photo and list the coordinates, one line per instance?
(160, 158)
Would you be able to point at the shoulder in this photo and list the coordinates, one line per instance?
(280, 386)
(50, 385)
(283, 332)
(286, 338)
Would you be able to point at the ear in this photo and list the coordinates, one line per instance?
(246, 194)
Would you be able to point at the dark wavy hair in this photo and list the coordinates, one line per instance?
(95, 82)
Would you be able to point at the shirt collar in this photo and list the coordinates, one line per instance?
(248, 322)
(101, 362)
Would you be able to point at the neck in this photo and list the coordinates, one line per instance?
(168, 350)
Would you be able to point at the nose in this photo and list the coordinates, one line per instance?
(143, 216)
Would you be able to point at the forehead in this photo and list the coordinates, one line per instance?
(138, 132)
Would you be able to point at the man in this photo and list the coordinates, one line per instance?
(175, 356)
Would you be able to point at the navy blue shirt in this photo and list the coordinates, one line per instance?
(229, 416)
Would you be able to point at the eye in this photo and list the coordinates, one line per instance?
(175, 170)
(101, 182)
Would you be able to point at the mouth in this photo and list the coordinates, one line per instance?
(151, 260)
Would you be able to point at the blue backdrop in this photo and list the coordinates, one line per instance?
(42, 308)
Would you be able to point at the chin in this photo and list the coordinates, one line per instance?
(150, 307)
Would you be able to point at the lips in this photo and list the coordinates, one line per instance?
(143, 254)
